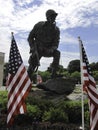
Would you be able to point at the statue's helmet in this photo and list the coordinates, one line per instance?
(50, 13)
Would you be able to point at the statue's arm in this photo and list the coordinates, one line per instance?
(33, 33)
(31, 38)
(56, 39)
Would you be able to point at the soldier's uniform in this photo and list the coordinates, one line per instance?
(45, 36)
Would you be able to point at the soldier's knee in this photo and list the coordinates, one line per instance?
(57, 53)
(30, 60)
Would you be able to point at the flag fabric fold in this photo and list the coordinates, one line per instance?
(89, 86)
(18, 84)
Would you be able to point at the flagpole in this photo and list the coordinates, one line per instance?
(12, 34)
(82, 99)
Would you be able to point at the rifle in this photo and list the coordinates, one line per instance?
(35, 53)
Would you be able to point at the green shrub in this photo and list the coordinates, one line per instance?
(3, 99)
(42, 104)
(3, 96)
(45, 110)
(74, 110)
(87, 116)
(33, 111)
(55, 115)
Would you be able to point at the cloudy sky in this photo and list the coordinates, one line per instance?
(75, 18)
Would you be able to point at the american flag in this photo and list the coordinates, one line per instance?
(18, 84)
(89, 85)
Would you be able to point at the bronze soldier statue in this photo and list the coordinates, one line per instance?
(44, 40)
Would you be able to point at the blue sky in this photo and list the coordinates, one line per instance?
(75, 18)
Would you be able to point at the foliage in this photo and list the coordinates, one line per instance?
(73, 66)
(63, 111)
(33, 111)
(45, 110)
(73, 110)
(94, 66)
(87, 117)
(45, 75)
(95, 74)
(41, 103)
(3, 107)
(71, 107)
(5, 73)
(66, 74)
(76, 76)
(55, 115)
(3, 99)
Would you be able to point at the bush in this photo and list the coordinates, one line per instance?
(55, 115)
(3, 97)
(42, 104)
(3, 100)
(74, 110)
(45, 110)
(45, 75)
(34, 112)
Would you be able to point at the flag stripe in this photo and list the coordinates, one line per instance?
(19, 98)
(14, 78)
(18, 84)
(17, 103)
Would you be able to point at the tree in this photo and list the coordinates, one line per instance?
(5, 73)
(95, 73)
(76, 76)
(94, 66)
(73, 66)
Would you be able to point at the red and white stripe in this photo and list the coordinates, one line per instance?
(90, 87)
(18, 88)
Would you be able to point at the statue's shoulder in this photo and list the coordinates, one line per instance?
(57, 28)
(39, 24)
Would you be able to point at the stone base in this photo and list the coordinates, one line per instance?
(58, 85)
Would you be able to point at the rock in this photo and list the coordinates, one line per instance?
(58, 85)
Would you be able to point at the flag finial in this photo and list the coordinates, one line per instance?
(80, 41)
(12, 33)
(78, 37)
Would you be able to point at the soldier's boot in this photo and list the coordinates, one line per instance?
(30, 74)
(55, 74)
(54, 70)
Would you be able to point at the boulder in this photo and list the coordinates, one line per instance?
(58, 85)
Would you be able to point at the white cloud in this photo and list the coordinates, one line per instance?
(93, 59)
(6, 8)
(20, 18)
(24, 2)
(66, 57)
(45, 63)
(67, 39)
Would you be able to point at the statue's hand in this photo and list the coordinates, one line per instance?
(54, 47)
(50, 50)
(32, 50)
